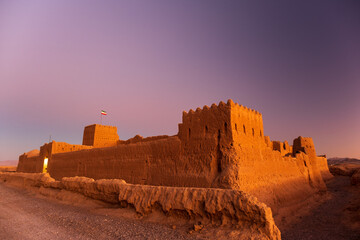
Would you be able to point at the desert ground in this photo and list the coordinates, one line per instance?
(24, 215)
(336, 217)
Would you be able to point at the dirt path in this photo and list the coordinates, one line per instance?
(25, 216)
(327, 220)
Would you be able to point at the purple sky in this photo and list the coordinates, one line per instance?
(144, 62)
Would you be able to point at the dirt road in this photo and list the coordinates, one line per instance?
(25, 216)
(327, 221)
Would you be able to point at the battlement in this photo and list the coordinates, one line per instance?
(228, 121)
(230, 104)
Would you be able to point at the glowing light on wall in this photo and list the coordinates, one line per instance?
(45, 165)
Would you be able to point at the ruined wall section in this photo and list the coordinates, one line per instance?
(283, 147)
(305, 146)
(323, 168)
(97, 135)
(29, 164)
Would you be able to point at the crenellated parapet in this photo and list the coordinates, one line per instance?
(247, 125)
(230, 104)
(213, 121)
(228, 121)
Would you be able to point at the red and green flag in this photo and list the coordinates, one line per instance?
(103, 112)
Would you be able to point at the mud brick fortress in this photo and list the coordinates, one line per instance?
(222, 146)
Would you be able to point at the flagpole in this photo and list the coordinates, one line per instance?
(100, 118)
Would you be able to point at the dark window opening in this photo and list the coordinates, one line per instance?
(253, 132)
(284, 147)
(219, 153)
(244, 129)
(225, 126)
(260, 133)
(206, 129)
(235, 126)
(189, 132)
(305, 163)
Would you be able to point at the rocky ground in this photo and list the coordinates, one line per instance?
(25, 216)
(337, 218)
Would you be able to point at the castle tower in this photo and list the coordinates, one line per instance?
(228, 122)
(97, 135)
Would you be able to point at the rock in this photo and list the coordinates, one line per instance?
(198, 228)
(355, 178)
(343, 169)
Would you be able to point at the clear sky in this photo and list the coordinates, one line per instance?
(144, 62)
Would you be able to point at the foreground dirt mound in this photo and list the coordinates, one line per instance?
(224, 207)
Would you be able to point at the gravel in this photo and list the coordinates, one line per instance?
(326, 221)
(25, 216)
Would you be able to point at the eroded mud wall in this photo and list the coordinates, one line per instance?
(275, 179)
(29, 164)
(155, 163)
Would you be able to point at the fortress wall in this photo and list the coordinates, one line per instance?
(210, 150)
(59, 147)
(306, 145)
(274, 179)
(29, 164)
(139, 138)
(158, 162)
(324, 168)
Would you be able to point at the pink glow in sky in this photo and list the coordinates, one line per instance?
(144, 62)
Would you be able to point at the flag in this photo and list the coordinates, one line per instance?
(103, 112)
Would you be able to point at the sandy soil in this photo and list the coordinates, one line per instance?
(335, 218)
(26, 216)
